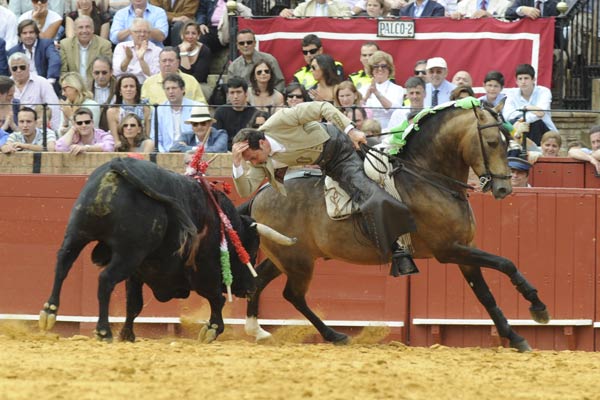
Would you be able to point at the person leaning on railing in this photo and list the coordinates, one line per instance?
(83, 137)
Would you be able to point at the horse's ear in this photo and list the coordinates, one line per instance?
(500, 106)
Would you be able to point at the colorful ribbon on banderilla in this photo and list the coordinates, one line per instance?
(197, 170)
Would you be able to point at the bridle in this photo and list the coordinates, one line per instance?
(485, 179)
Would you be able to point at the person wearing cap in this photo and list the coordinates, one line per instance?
(438, 89)
(213, 139)
(421, 8)
(519, 172)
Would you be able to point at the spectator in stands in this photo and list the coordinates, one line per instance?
(128, 101)
(132, 137)
(19, 7)
(318, 8)
(115, 5)
(372, 128)
(213, 139)
(32, 89)
(519, 171)
(249, 56)
(237, 114)
(532, 9)
(3, 58)
(76, 95)
(375, 9)
(591, 155)
(422, 8)
(47, 21)
(195, 56)
(295, 94)
(346, 95)
(262, 93)
(532, 98)
(138, 56)
(39, 109)
(170, 117)
(415, 94)
(462, 78)
(214, 23)
(493, 83)
(323, 68)
(45, 59)
(312, 47)
(480, 9)
(28, 137)
(551, 143)
(83, 137)
(78, 52)
(88, 8)
(103, 87)
(437, 90)
(361, 78)
(8, 29)
(120, 29)
(178, 13)
(382, 96)
(460, 92)
(8, 109)
(420, 70)
(152, 89)
(358, 115)
(259, 118)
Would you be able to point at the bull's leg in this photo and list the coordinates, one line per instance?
(68, 253)
(267, 271)
(470, 256)
(476, 281)
(121, 266)
(135, 302)
(215, 325)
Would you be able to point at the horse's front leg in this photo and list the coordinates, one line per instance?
(267, 271)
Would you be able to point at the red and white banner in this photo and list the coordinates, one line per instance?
(477, 46)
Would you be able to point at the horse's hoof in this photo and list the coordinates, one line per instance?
(252, 328)
(126, 335)
(540, 316)
(522, 346)
(47, 320)
(208, 333)
(104, 335)
(337, 338)
(263, 336)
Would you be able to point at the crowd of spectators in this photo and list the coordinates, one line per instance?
(117, 59)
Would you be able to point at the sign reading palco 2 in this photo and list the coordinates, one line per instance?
(396, 29)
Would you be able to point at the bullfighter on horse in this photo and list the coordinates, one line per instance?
(295, 137)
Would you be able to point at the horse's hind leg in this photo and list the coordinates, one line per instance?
(267, 271)
(476, 281)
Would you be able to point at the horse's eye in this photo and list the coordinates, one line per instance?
(492, 143)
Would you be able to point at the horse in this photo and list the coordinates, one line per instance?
(430, 173)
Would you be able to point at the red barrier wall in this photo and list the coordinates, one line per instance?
(549, 233)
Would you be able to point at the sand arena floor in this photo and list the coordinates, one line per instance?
(46, 366)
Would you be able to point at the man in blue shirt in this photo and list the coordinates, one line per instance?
(438, 89)
(157, 17)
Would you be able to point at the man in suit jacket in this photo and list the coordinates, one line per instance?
(481, 9)
(423, 8)
(318, 8)
(45, 59)
(295, 137)
(531, 9)
(3, 59)
(178, 13)
(78, 53)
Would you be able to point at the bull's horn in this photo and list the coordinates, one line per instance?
(273, 235)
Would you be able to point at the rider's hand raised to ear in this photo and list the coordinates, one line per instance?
(357, 137)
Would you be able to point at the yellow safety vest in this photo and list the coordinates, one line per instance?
(360, 79)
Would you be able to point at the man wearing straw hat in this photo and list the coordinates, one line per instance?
(213, 139)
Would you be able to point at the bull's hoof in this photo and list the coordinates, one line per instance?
(47, 317)
(540, 316)
(337, 338)
(126, 335)
(104, 335)
(522, 346)
(208, 333)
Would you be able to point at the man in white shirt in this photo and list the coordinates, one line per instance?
(8, 29)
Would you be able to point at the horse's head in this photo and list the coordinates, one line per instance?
(487, 152)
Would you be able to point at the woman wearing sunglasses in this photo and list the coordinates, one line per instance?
(76, 95)
(83, 137)
(295, 94)
(324, 72)
(262, 93)
(132, 137)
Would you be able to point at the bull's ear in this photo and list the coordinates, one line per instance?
(500, 106)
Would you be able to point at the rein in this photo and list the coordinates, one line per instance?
(486, 178)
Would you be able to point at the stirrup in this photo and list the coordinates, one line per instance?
(402, 264)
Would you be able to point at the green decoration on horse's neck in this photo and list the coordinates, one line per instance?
(401, 132)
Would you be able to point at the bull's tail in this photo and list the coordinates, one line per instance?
(123, 167)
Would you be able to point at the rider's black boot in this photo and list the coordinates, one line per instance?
(402, 263)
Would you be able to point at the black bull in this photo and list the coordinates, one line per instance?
(153, 227)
